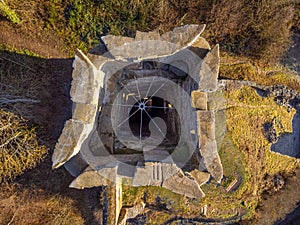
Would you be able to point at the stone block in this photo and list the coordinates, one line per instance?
(84, 84)
(206, 125)
(128, 158)
(183, 36)
(169, 169)
(153, 173)
(199, 100)
(146, 49)
(98, 60)
(216, 100)
(200, 42)
(210, 70)
(200, 177)
(212, 160)
(109, 172)
(76, 165)
(89, 179)
(112, 41)
(142, 36)
(134, 211)
(200, 47)
(142, 176)
(181, 184)
(84, 112)
(67, 145)
(105, 125)
(157, 155)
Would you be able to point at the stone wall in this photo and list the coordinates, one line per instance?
(179, 60)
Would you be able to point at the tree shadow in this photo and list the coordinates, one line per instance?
(48, 82)
(292, 57)
(289, 143)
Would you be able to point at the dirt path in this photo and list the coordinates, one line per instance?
(48, 48)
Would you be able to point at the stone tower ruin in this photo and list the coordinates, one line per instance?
(144, 114)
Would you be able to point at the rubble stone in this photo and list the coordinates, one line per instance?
(199, 100)
(200, 177)
(89, 179)
(181, 184)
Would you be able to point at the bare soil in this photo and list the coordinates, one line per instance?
(48, 46)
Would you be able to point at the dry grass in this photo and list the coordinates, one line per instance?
(20, 81)
(285, 200)
(245, 125)
(243, 68)
(19, 148)
(253, 28)
(31, 207)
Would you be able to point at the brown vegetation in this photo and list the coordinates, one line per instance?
(19, 148)
(247, 30)
(34, 206)
(245, 27)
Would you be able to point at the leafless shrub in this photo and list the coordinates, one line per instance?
(19, 147)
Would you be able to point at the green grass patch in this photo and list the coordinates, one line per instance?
(8, 48)
(245, 118)
(8, 13)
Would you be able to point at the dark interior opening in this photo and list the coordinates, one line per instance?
(142, 112)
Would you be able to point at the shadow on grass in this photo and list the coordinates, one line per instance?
(289, 143)
(48, 83)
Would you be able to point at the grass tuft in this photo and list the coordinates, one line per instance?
(8, 13)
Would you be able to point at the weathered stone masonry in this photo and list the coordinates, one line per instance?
(90, 142)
